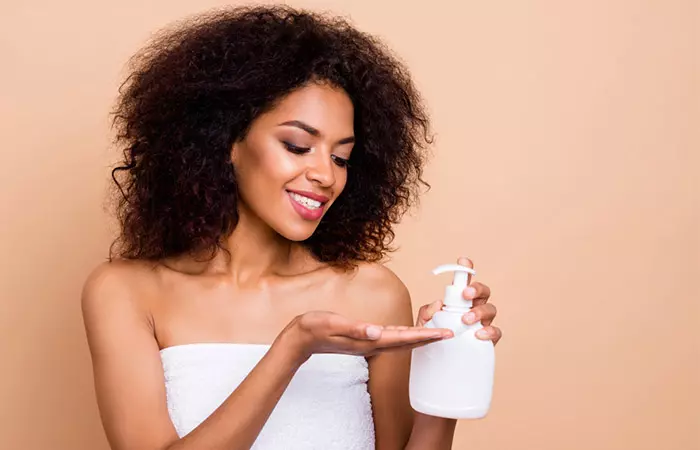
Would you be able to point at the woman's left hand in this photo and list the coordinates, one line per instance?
(481, 310)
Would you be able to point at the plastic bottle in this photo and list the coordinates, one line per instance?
(453, 378)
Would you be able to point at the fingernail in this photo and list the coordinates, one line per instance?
(470, 292)
(374, 332)
(470, 318)
(482, 334)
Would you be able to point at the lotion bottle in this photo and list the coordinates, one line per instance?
(453, 378)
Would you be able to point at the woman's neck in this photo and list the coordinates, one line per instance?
(251, 256)
(255, 251)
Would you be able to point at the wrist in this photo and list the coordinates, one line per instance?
(290, 342)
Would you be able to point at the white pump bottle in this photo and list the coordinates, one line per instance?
(453, 378)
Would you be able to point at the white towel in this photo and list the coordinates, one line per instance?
(326, 405)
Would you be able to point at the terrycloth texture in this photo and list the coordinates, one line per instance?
(326, 406)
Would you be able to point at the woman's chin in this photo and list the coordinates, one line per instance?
(299, 232)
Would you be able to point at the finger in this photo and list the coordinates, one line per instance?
(344, 327)
(396, 327)
(426, 312)
(464, 261)
(351, 346)
(393, 338)
(484, 313)
(404, 347)
(489, 334)
(478, 293)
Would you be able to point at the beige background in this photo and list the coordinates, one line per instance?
(566, 166)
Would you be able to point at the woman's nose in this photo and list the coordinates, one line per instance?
(320, 169)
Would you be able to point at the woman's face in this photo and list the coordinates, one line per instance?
(291, 166)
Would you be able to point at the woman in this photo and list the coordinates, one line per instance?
(268, 154)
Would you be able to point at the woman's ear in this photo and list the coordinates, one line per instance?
(233, 153)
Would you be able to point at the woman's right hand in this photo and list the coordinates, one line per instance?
(327, 332)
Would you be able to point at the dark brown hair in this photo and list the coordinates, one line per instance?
(196, 88)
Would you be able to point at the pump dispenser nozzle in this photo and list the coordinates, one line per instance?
(453, 292)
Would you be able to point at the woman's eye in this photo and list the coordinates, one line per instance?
(295, 148)
(342, 162)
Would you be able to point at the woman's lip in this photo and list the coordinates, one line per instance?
(311, 195)
(303, 211)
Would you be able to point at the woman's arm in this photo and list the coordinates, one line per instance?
(397, 425)
(129, 377)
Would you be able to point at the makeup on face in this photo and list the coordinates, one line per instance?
(299, 138)
(309, 205)
(293, 163)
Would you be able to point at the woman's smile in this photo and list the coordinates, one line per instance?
(308, 205)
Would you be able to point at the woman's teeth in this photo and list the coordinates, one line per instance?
(306, 201)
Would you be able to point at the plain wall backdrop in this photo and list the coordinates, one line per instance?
(566, 165)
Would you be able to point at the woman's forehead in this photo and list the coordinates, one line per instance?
(325, 108)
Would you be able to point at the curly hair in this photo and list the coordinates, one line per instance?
(194, 91)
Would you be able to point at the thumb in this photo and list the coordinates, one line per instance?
(373, 332)
(464, 261)
(427, 311)
(364, 331)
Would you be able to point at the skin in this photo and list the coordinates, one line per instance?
(271, 291)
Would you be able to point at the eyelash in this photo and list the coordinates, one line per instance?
(340, 162)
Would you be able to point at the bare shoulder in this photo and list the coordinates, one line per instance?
(116, 285)
(128, 374)
(381, 294)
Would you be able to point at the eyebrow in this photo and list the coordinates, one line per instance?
(313, 131)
